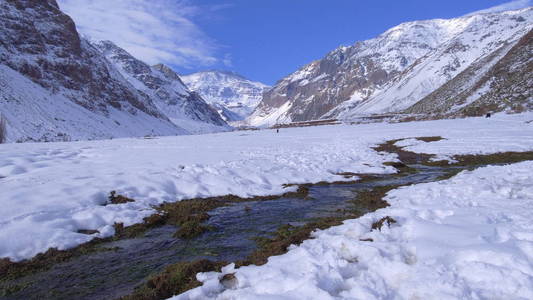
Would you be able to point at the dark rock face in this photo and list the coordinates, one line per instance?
(506, 85)
(332, 81)
(42, 43)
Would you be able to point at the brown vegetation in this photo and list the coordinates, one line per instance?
(385, 220)
(175, 279)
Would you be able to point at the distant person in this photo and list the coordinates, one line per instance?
(277, 130)
(488, 115)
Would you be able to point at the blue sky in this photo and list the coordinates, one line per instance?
(263, 40)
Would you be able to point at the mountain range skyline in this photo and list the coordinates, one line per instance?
(193, 36)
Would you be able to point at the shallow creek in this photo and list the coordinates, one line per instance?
(115, 273)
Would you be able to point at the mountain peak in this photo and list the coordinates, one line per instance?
(234, 96)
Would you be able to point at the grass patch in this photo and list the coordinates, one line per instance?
(406, 157)
(43, 261)
(486, 159)
(468, 160)
(429, 139)
(190, 230)
(285, 236)
(175, 279)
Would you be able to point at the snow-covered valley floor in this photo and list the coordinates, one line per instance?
(50, 191)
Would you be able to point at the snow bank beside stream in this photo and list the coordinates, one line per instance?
(470, 237)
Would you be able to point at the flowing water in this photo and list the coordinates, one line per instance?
(111, 274)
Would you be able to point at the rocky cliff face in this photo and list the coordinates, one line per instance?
(234, 96)
(56, 85)
(391, 72)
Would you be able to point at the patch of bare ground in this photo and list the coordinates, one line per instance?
(470, 160)
(383, 221)
(114, 198)
(473, 160)
(175, 279)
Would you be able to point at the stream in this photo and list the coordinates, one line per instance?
(111, 274)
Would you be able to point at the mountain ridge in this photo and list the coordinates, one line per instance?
(234, 96)
(57, 86)
(380, 75)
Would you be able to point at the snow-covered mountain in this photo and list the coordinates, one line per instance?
(500, 81)
(397, 69)
(56, 85)
(234, 96)
(184, 108)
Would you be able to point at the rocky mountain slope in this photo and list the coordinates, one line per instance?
(500, 81)
(184, 108)
(397, 69)
(55, 85)
(234, 96)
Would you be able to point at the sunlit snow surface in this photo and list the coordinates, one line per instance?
(48, 191)
(470, 237)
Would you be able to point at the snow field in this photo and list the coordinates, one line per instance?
(49, 191)
(469, 237)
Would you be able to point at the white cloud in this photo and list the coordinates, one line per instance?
(518, 4)
(160, 31)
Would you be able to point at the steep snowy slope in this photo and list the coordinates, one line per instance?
(184, 108)
(391, 72)
(234, 96)
(34, 113)
(56, 86)
(481, 39)
(500, 81)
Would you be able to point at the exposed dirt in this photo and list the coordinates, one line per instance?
(385, 220)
